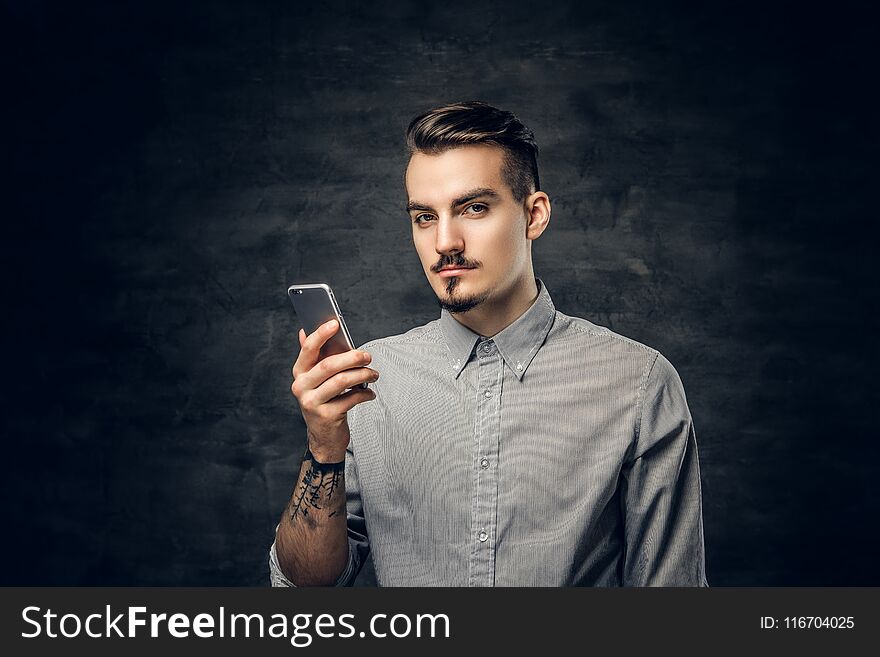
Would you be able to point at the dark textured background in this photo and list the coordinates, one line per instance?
(174, 167)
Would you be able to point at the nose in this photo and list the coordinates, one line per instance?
(448, 238)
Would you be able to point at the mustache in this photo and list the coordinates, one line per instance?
(454, 261)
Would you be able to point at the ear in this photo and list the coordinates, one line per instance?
(537, 207)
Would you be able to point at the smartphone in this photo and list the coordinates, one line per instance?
(315, 305)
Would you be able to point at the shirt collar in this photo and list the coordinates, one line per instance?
(517, 343)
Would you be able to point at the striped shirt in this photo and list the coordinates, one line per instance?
(554, 453)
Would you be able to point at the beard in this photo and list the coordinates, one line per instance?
(455, 303)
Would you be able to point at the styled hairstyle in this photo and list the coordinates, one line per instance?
(474, 122)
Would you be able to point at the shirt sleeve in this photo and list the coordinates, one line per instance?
(661, 490)
(358, 541)
(277, 577)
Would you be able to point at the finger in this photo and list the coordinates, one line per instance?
(331, 365)
(336, 384)
(333, 386)
(345, 402)
(311, 347)
(302, 338)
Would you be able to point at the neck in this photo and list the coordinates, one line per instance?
(497, 313)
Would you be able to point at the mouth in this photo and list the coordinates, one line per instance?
(447, 272)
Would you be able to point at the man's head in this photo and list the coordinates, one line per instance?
(474, 200)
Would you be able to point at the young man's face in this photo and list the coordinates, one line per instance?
(464, 214)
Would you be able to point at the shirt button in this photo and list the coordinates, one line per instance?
(483, 536)
(488, 393)
(487, 348)
(484, 463)
(519, 366)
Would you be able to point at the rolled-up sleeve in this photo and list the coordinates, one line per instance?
(660, 488)
(277, 578)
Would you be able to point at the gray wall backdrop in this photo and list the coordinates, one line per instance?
(175, 166)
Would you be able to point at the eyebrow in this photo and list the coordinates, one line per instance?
(461, 200)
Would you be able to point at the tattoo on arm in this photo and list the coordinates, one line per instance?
(315, 490)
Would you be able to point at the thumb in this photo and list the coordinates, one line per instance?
(302, 338)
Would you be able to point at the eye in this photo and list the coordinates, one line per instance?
(418, 219)
(479, 208)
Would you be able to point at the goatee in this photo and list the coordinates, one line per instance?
(459, 304)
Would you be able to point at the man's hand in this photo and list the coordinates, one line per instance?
(317, 385)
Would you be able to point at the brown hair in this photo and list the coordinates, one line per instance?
(474, 122)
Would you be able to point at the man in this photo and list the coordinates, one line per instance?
(505, 444)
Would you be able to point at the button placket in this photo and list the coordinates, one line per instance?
(490, 372)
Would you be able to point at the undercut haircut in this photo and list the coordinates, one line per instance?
(474, 122)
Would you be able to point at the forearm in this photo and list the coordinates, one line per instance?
(311, 541)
